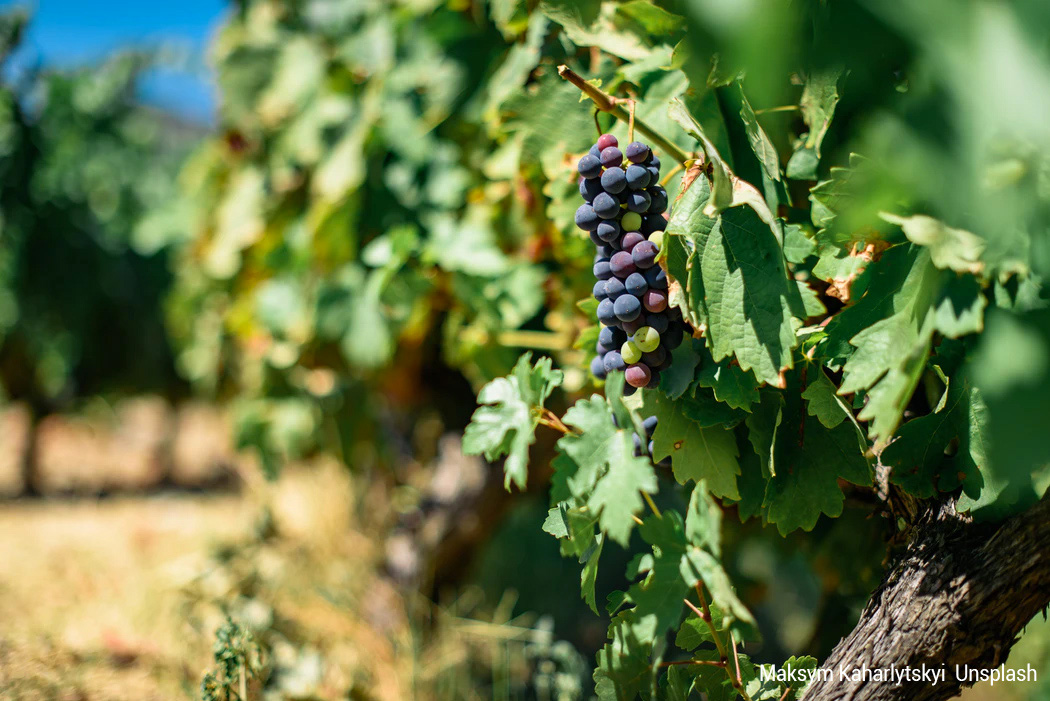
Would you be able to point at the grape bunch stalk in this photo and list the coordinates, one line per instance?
(623, 212)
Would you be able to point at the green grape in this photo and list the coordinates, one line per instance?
(631, 353)
(646, 339)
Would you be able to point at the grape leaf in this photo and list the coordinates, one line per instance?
(952, 249)
(738, 285)
(696, 453)
(759, 140)
(730, 383)
(822, 402)
(589, 573)
(507, 424)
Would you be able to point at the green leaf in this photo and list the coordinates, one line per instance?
(738, 285)
(610, 478)
(675, 380)
(507, 424)
(759, 140)
(696, 453)
(589, 573)
(951, 249)
(695, 631)
(731, 384)
(917, 458)
(822, 401)
(1012, 370)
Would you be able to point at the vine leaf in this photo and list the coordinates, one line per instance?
(737, 284)
(609, 478)
(696, 453)
(897, 327)
(951, 249)
(506, 425)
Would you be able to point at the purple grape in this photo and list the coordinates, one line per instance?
(673, 337)
(614, 288)
(605, 206)
(611, 157)
(589, 189)
(653, 160)
(626, 307)
(613, 180)
(586, 218)
(630, 327)
(654, 300)
(602, 269)
(637, 177)
(656, 277)
(649, 424)
(637, 201)
(611, 336)
(594, 238)
(636, 284)
(605, 141)
(596, 152)
(630, 240)
(628, 390)
(637, 152)
(638, 375)
(636, 439)
(643, 255)
(605, 251)
(606, 312)
(598, 367)
(621, 264)
(650, 448)
(608, 230)
(599, 290)
(657, 200)
(659, 322)
(654, 379)
(654, 174)
(589, 167)
(655, 358)
(613, 362)
(651, 223)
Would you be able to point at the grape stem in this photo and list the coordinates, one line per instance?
(607, 103)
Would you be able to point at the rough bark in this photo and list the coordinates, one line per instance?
(959, 594)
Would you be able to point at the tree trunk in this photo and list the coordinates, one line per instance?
(959, 594)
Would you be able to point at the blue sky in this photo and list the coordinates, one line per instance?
(65, 32)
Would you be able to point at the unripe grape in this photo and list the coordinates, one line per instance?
(630, 353)
(631, 221)
(646, 338)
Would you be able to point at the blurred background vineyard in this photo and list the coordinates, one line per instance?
(256, 321)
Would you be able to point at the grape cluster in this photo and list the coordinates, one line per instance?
(623, 212)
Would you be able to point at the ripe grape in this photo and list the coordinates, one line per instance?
(598, 367)
(608, 230)
(621, 264)
(636, 439)
(637, 201)
(630, 240)
(637, 177)
(636, 284)
(654, 379)
(643, 255)
(657, 198)
(602, 269)
(627, 308)
(599, 290)
(649, 424)
(630, 327)
(654, 300)
(594, 238)
(596, 152)
(638, 375)
(589, 189)
(630, 353)
(586, 218)
(674, 336)
(606, 140)
(654, 160)
(654, 174)
(605, 206)
(614, 287)
(656, 277)
(611, 157)
(605, 251)
(614, 180)
(606, 312)
(651, 223)
(660, 322)
(646, 338)
(631, 221)
(629, 390)
(589, 166)
(655, 358)
(601, 350)
(613, 362)
(637, 152)
(611, 336)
